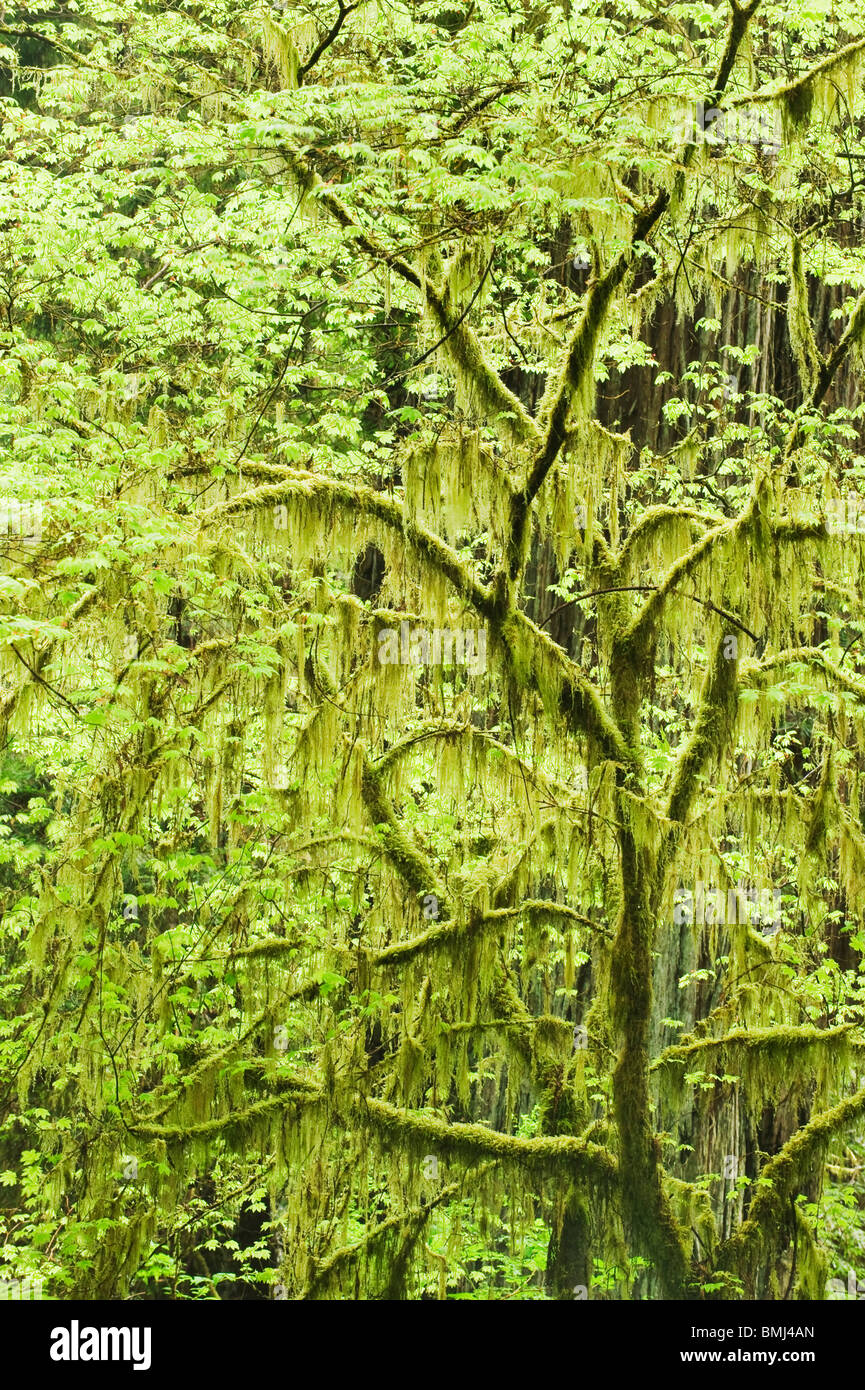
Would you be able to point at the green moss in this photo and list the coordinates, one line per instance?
(767, 1228)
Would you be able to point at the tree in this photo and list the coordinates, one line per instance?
(448, 771)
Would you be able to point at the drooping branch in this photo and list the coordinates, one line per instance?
(652, 520)
(653, 588)
(737, 531)
(647, 619)
(354, 500)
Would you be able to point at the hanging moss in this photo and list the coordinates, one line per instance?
(391, 915)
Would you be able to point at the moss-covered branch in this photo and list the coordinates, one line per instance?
(376, 1242)
(653, 520)
(412, 866)
(485, 745)
(538, 662)
(458, 339)
(782, 1039)
(645, 623)
(805, 351)
(295, 1092)
(756, 673)
(712, 730)
(791, 93)
(44, 656)
(450, 934)
(586, 1162)
(766, 1230)
(576, 375)
(535, 660)
(355, 501)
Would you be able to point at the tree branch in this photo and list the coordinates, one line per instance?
(329, 38)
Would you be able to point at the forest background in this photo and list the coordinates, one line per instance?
(431, 664)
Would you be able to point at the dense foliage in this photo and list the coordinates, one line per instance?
(432, 687)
